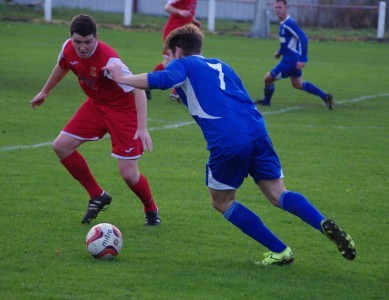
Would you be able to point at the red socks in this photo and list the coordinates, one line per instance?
(142, 190)
(78, 168)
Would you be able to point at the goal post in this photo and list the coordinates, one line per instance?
(127, 12)
(47, 9)
(381, 20)
(260, 26)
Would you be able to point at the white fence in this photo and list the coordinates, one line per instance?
(243, 10)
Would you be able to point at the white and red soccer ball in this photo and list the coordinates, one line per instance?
(104, 241)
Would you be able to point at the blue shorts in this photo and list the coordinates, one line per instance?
(228, 167)
(285, 70)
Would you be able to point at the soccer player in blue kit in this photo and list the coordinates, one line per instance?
(294, 51)
(237, 140)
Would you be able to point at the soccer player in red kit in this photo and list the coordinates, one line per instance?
(182, 12)
(110, 108)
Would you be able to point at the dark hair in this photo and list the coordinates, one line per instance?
(284, 1)
(83, 25)
(188, 37)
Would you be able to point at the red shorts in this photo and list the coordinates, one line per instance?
(92, 121)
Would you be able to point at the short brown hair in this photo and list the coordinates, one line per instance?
(188, 37)
(83, 25)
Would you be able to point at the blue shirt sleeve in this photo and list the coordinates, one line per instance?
(303, 41)
(174, 74)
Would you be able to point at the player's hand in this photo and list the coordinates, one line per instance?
(277, 55)
(184, 13)
(300, 65)
(197, 23)
(145, 138)
(113, 71)
(38, 100)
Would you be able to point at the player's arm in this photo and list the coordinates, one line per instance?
(280, 50)
(303, 40)
(168, 78)
(196, 22)
(138, 81)
(141, 109)
(115, 72)
(172, 10)
(56, 76)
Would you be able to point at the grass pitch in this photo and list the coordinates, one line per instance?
(338, 159)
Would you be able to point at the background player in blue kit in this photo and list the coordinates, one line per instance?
(294, 51)
(237, 139)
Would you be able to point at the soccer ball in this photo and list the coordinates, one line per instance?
(104, 241)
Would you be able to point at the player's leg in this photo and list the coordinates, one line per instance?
(122, 125)
(65, 147)
(138, 183)
(84, 126)
(280, 71)
(292, 202)
(267, 174)
(268, 90)
(226, 171)
(298, 205)
(298, 83)
(265, 169)
(246, 220)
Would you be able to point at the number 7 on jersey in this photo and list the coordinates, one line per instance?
(218, 67)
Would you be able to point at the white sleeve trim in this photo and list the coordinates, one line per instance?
(60, 55)
(126, 71)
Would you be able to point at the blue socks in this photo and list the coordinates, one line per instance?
(251, 224)
(299, 206)
(269, 90)
(312, 89)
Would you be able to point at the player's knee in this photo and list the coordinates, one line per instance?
(216, 205)
(274, 201)
(129, 177)
(268, 80)
(59, 148)
(221, 205)
(297, 84)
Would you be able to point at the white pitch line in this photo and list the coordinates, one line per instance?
(181, 124)
(9, 148)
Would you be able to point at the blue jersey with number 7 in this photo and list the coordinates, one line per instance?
(215, 97)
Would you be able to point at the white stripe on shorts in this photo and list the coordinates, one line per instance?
(216, 185)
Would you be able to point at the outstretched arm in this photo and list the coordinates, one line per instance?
(137, 81)
(56, 75)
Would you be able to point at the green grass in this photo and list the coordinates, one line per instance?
(337, 159)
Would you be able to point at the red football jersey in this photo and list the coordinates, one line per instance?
(92, 78)
(175, 20)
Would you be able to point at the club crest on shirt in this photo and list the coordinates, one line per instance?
(92, 71)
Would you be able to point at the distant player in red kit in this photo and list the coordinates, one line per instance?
(182, 12)
(110, 108)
